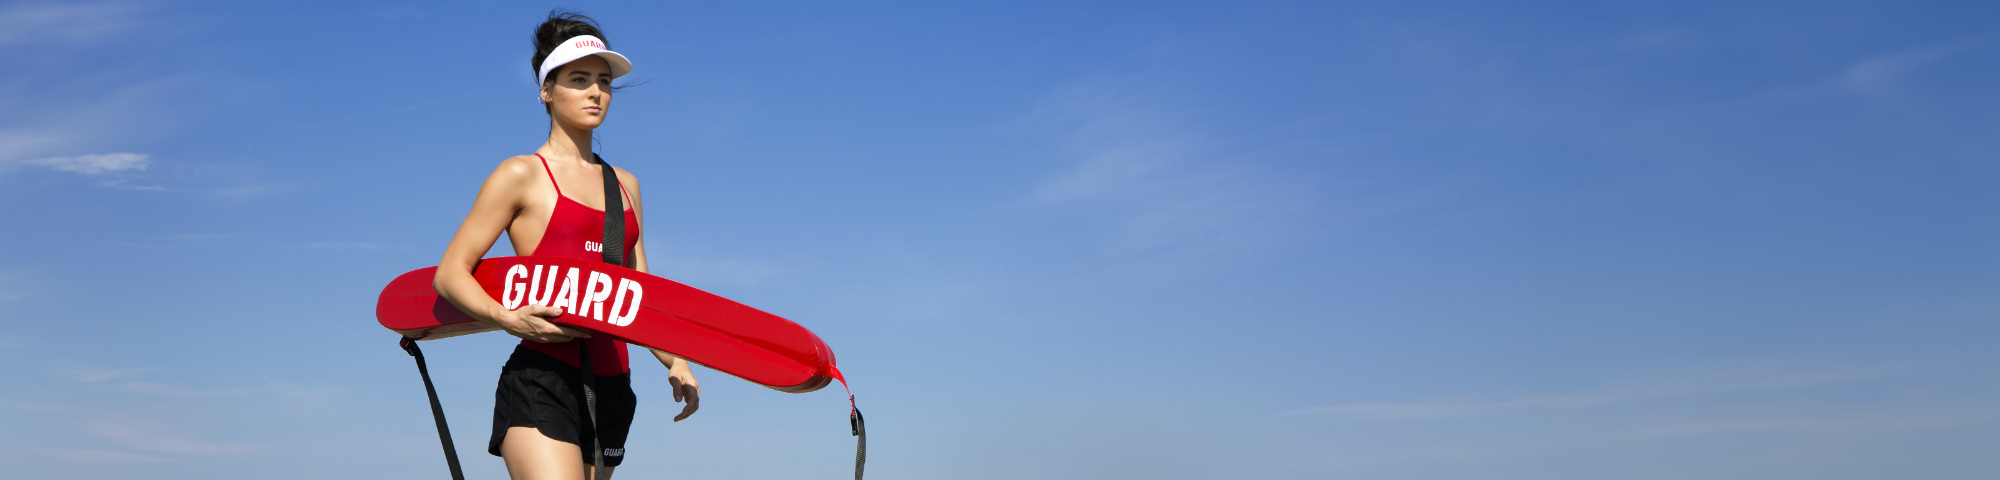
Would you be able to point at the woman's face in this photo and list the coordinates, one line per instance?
(580, 93)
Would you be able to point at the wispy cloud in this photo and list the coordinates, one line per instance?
(1163, 182)
(157, 437)
(269, 388)
(241, 191)
(93, 374)
(1785, 407)
(1877, 74)
(34, 407)
(103, 165)
(196, 237)
(70, 22)
(1469, 405)
(341, 246)
(165, 390)
(120, 115)
(120, 185)
(380, 112)
(698, 269)
(95, 164)
(13, 285)
(1847, 423)
(66, 455)
(396, 13)
(1843, 425)
(170, 241)
(126, 244)
(86, 373)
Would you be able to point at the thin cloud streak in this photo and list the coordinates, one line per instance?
(700, 269)
(95, 164)
(1467, 406)
(165, 390)
(1876, 75)
(1799, 424)
(242, 191)
(1164, 183)
(93, 374)
(156, 437)
(125, 244)
(67, 22)
(66, 455)
(1844, 424)
(126, 114)
(11, 286)
(271, 388)
(1528, 445)
(341, 246)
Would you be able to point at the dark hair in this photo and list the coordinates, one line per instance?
(563, 25)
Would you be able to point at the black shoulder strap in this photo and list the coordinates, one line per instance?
(614, 253)
(614, 216)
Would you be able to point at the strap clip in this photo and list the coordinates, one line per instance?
(854, 418)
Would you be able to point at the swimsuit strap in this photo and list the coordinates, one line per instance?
(552, 180)
(552, 174)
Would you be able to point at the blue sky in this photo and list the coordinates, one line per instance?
(1385, 240)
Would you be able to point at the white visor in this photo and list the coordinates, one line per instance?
(579, 47)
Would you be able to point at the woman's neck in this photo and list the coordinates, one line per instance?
(567, 143)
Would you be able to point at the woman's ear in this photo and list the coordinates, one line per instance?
(545, 94)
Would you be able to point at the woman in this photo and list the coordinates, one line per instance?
(552, 203)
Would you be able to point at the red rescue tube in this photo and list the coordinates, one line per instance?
(627, 304)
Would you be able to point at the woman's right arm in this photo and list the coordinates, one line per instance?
(500, 198)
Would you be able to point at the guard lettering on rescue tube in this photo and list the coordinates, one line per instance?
(535, 289)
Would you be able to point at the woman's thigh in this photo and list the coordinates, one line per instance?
(533, 456)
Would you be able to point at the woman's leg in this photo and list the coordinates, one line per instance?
(533, 456)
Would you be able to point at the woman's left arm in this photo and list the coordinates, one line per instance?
(686, 389)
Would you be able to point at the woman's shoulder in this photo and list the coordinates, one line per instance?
(626, 177)
(518, 168)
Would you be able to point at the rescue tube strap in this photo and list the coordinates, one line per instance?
(590, 405)
(860, 434)
(854, 422)
(614, 253)
(614, 215)
(437, 409)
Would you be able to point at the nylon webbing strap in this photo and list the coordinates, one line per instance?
(437, 409)
(860, 434)
(614, 215)
(614, 253)
(590, 405)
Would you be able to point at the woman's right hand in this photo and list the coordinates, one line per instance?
(530, 322)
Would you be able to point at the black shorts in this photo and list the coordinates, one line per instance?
(541, 392)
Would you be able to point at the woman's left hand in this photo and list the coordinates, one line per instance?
(685, 388)
(682, 379)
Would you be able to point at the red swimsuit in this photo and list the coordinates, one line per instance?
(576, 231)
